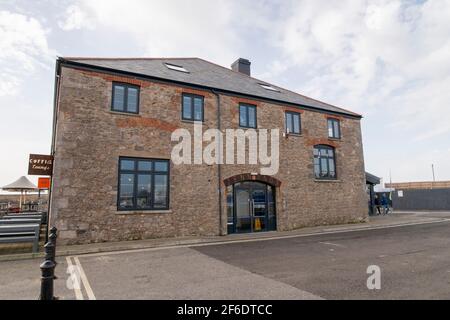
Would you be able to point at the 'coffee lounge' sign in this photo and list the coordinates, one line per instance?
(40, 165)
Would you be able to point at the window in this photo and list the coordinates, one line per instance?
(247, 116)
(143, 184)
(192, 107)
(175, 67)
(293, 122)
(324, 162)
(125, 98)
(268, 87)
(334, 130)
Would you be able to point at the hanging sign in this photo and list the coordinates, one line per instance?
(40, 165)
(44, 183)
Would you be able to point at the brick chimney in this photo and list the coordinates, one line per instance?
(241, 65)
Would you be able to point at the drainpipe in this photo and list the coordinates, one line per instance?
(219, 168)
(52, 148)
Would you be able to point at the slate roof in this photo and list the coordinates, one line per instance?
(206, 74)
(372, 179)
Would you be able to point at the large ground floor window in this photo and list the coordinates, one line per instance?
(143, 184)
(324, 162)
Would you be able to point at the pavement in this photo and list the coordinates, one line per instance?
(411, 250)
(10, 252)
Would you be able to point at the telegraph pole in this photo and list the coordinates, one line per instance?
(434, 178)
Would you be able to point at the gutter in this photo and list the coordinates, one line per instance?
(219, 168)
(90, 67)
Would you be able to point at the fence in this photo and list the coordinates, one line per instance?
(421, 199)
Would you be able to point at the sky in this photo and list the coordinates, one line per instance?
(388, 60)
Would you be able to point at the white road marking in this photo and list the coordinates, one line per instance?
(192, 245)
(333, 244)
(85, 281)
(78, 292)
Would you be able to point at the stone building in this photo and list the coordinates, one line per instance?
(114, 178)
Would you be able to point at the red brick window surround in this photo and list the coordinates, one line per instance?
(334, 128)
(324, 162)
(293, 122)
(192, 107)
(247, 116)
(125, 98)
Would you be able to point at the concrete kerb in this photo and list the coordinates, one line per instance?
(163, 243)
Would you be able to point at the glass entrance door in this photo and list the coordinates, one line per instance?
(243, 218)
(254, 207)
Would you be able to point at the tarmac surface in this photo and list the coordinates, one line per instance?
(414, 260)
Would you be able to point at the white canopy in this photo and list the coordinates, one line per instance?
(20, 184)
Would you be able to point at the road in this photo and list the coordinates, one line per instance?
(414, 262)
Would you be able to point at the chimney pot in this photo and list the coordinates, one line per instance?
(241, 65)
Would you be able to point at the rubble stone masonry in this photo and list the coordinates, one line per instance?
(90, 138)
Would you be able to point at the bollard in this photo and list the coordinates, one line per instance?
(52, 242)
(48, 268)
(53, 231)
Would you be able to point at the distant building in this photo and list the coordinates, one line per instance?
(419, 185)
(423, 195)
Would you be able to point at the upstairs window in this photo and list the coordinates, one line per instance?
(293, 125)
(125, 98)
(324, 162)
(143, 184)
(192, 107)
(334, 129)
(247, 116)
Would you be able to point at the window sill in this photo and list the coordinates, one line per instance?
(334, 139)
(125, 113)
(143, 212)
(294, 135)
(192, 121)
(327, 180)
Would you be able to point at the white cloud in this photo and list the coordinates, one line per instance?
(76, 18)
(165, 28)
(385, 59)
(388, 55)
(23, 48)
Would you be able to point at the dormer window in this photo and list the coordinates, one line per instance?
(268, 87)
(176, 67)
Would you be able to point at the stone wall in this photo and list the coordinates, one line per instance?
(90, 138)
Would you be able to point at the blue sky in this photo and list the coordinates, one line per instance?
(389, 60)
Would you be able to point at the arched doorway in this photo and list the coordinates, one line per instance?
(251, 207)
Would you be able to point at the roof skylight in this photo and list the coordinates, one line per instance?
(268, 87)
(175, 67)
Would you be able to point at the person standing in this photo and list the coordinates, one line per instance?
(377, 204)
(385, 204)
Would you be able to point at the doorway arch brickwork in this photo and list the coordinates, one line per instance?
(251, 177)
